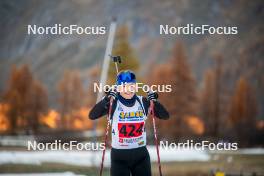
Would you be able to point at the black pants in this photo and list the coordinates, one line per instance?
(130, 161)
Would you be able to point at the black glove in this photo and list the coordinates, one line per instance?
(153, 96)
(112, 93)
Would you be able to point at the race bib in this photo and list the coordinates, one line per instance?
(129, 130)
(128, 126)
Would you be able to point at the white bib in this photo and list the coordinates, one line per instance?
(128, 126)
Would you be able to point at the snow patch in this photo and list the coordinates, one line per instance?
(93, 158)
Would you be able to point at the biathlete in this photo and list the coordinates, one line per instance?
(129, 154)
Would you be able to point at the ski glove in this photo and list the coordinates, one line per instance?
(112, 93)
(152, 96)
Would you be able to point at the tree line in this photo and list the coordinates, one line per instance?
(210, 109)
(229, 115)
(26, 100)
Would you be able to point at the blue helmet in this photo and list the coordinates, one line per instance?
(125, 76)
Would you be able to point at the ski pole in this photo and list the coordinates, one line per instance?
(106, 134)
(116, 59)
(151, 111)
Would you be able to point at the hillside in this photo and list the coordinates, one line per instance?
(50, 55)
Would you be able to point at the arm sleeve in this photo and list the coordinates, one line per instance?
(159, 110)
(100, 109)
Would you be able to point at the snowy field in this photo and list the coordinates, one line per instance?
(87, 159)
(90, 158)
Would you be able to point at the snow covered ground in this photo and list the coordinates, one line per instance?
(244, 151)
(90, 158)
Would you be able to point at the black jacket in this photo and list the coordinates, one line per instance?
(101, 109)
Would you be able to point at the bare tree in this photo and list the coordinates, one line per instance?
(26, 98)
(71, 98)
(181, 101)
(243, 111)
